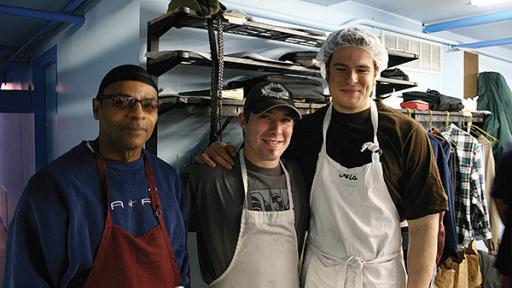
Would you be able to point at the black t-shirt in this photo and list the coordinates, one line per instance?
(216, 202)
(501, 187)
(503, 191)
(409, 166)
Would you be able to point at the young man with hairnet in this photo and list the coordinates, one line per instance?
(107, 213)
(368, 167)
(251, 220)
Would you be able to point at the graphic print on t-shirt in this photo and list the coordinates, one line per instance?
(269, 200)
(130, 204)
(133, 213)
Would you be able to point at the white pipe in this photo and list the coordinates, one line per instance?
(479, 52)
(382, 26)
(491, 55)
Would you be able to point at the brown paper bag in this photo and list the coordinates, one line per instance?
(474, 273)
(463, 272)
(452, 274)
(445, 277)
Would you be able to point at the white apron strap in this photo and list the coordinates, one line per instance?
(245, 179)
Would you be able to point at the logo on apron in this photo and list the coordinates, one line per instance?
(351, 177)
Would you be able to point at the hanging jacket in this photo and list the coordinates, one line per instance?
(470, 204)
(442, 151)
(495, 95)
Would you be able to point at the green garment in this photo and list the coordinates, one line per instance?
(495, 95)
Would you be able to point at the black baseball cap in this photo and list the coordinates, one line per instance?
(268, 95)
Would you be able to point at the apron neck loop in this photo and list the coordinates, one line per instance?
(102, 170)
(148, 171)
(153, 191)
(374, 115)
(245, 179)
(325, 126)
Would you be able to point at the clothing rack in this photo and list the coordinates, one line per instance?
(460, 118)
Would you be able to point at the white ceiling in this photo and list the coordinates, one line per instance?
(432, 11)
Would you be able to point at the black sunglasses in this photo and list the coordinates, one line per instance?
(124, 101)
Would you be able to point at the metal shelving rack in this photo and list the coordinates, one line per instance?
(160, 25)
(159, 62)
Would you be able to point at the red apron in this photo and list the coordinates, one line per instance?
(124, 260)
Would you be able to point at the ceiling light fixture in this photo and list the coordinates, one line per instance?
(480, 3)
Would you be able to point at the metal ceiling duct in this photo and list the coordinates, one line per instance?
(70, 7)
(481, 44)
(469, 21)
(43, 14)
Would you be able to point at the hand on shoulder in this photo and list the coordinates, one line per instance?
(217, 153)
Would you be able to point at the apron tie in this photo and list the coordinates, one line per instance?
(372, 147)
(358, 264)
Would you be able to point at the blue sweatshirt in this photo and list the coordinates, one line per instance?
(58, 223)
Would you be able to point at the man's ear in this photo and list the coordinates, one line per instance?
(242, 120)
(95, 108)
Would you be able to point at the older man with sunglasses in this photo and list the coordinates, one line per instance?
(108, 213)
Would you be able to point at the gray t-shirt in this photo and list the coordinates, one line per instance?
(266, 188)
(216, 202)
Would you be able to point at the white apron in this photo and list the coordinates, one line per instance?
(354, 238)
(266, 252)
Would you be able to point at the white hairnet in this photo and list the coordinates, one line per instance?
(353, 37)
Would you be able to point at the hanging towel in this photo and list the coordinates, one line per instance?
(488, 160)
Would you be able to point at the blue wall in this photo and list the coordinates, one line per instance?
(110, 36)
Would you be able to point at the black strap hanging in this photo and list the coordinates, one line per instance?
(215, 23)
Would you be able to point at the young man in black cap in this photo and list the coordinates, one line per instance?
(94, 217)
(250, 221)
(368, 167)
